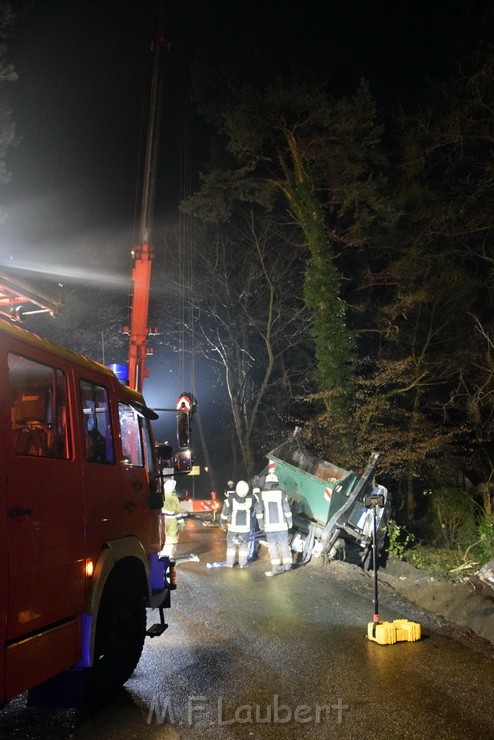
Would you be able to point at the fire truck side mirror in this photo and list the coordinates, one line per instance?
(186, 407)
(164, 453)
(183, 428)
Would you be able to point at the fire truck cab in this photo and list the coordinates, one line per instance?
(80, 519)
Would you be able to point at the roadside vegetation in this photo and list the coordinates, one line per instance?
(386, 215)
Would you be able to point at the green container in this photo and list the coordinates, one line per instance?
(316, 488)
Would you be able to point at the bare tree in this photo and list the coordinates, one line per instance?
(251, 321)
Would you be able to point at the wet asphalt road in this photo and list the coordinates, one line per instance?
(251, 657)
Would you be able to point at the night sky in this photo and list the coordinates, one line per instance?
(77, 105)
(82, 80)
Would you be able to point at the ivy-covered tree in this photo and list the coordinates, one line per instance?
(296, 147)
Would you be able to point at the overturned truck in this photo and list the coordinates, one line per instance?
(332, 508)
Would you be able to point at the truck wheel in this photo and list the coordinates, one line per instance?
(120, 633)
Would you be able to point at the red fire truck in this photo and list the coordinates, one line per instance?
(80, 520)
(80, 494)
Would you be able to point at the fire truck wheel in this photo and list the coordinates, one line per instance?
(120, 633)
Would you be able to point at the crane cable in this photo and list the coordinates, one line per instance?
(187, 344)
(186, 260)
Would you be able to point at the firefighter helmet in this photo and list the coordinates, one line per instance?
(170, 485)
(242, 488)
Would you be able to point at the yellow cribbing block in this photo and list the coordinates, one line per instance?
(383, 633)
(387, 633)
(407, 631)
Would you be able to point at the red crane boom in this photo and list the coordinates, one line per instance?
(142, 254)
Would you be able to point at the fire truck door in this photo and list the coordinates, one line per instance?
(102, 474)
(139, 475)
(45, 517)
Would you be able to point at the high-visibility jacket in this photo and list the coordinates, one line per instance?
(237, 512)
(174, 519)
(273, 510)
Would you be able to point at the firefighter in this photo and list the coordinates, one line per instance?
(230, 488)
(174, 520)
(236, 515)
(275, 518)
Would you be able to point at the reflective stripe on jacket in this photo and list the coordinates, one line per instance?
(273, 511)
(237, 512)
